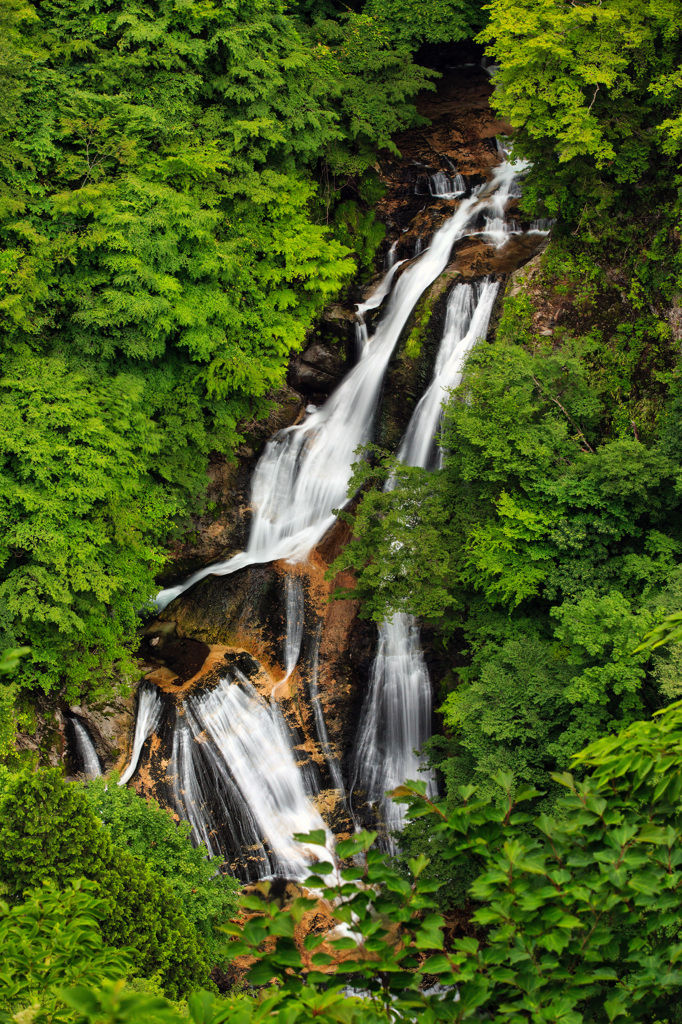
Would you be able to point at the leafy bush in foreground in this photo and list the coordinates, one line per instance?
(576, 918)
(48, 832)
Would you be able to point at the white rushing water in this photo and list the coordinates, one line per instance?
(305, 470)
(466, 320)
(447, 188)
(188, 795)
(254, 745)
(294, 615)
(92, 767)
(396, 716)
(205, 794)
(396, 719)
(148, 717)
(374, 300)
(294, 621)
(320, 725)
(541, 226)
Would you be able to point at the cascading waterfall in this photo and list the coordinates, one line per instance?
(466, 320)
(92, 767)
(396, 719)
(305, 470)
(396, 716)
(205, 793)
(374, 300)
(189, 799)
(233, 772)
(148, 717)
(294, 608)
(252, 740)
(541, 225)
(447, 188)
(320, 724)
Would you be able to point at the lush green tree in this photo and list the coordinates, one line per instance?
(51, 941)
(80, 516)
(166, 240)
(151, 834)
(593, 93)
(48, 831)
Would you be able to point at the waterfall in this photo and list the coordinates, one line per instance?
(253, 743)
(320, 725)
(233, 770)
(205, 794)
(466, 320)
(148, 717)
(374, 300)
(294, 614)
(541, 225)
(304, 472)
(447, 188)
(396, 719)
(189, 799)
(498, 227)
(92, 767)
(396, 715)
(294, 620)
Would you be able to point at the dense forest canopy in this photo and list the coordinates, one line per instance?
(184, 186)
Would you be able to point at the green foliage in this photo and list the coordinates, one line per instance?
(161, 171)
(578, 916)
(49, 942)
(428, 21)
(665, 632)
(593, 92)
(9, 662)
(360, 232)
(149, 832)
(80, 517)
(48, 831)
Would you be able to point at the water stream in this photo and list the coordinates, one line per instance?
(146, 721)
(255, 750)
(294, 614)
(320, 724)
(92, 767)
(304, 472)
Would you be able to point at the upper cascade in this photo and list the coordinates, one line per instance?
(304, 472)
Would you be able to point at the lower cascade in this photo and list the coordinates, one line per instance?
(396, 720)
(243, 751)
(88, 756)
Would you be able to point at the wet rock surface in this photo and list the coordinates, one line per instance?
(317, 370)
